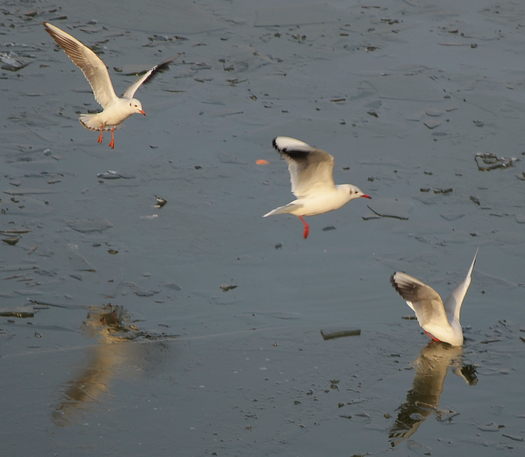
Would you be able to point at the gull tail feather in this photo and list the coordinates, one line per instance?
(286, 209)
(90, 122)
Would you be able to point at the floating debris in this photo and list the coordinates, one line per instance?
(492, 427)
(160, 202)
(328, 228)
(487, 161)
(12, 62)
(227, 287)
(512, 437)
(110, 174)
(390, 207)
(11, 240)
(475, 200)
(330, 333)
(443, 191)
(20, 312)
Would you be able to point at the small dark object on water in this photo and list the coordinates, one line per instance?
(328, 228)
(443, 191)
(227, 287)
(475, 200)
(330, 333)
(409, 318)
(160, 202)
(278, 246)
(490, 340)
(11, 240)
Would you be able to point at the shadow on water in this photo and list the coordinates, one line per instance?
(423, 398)
(116, 347)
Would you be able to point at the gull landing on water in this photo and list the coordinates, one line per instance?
(312, 175)
(116, 109)
(439, 320)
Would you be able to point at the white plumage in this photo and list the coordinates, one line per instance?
(439, 320)
(116, 109)
(312, 176)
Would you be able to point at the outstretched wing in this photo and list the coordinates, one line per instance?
(311, 169)
(84, 58)
(455, 299)
(424, 300)
(130, 91)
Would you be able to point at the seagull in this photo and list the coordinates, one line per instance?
(116, 109)
(439, 320)
(312, 175)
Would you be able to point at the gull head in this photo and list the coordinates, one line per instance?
(135, 106)
(352, 191)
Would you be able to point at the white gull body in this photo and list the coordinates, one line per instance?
(312, 175)
(116, 109)
(439, 320)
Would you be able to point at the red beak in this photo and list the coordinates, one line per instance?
(142, 111)
(366, 196)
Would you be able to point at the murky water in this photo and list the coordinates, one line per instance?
(131, 346)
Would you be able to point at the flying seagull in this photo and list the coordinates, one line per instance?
(116, 109)
(312, 175)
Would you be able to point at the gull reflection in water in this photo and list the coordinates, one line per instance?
(110, 324)
(423, 399)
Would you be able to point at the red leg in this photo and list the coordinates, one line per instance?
(435, 339)
(306, 227)
(112, 142)
(100, 136)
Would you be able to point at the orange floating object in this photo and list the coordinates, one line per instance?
(262, 162)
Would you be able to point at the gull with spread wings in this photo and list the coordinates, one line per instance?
(439, 320)
(116, 109)
(312, 175)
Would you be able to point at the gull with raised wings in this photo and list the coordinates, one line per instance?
(439, 320)
(116, 109)
(312, 175)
